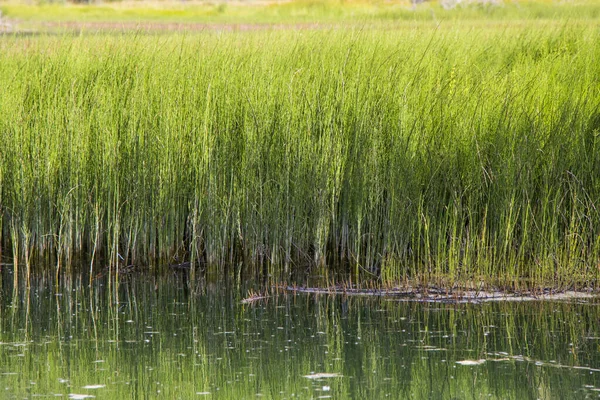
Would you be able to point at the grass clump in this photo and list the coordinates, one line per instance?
(457, 154)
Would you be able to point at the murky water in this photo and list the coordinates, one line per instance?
(154, 339)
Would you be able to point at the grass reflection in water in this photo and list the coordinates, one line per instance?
(153, 339)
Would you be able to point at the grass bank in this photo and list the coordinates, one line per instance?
(453, 154)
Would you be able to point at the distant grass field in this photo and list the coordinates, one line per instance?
(299, 11)
(445, 152)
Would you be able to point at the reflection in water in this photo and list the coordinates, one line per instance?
(158, 340)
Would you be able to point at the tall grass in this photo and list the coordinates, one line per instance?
(455, 153)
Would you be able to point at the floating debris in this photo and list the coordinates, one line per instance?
(323, 375)
(470, 362)
(539, 363)
(431, 348)
(439, 295)
(253, 297)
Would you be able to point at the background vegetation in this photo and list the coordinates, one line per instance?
(42, 15)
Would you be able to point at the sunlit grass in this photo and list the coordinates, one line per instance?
(449, 154)
(328, 11)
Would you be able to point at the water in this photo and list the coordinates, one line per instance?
(154, 339)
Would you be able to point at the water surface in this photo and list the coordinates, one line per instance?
(153, 338)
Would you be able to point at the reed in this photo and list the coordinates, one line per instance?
(456, 153)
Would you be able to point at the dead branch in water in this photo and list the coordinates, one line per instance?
(443, 295)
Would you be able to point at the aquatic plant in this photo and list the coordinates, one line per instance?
(451, 154)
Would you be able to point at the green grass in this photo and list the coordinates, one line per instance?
(453, 155)
(30, 14)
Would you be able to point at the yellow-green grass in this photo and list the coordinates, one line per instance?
(454, 154)
(30, 15)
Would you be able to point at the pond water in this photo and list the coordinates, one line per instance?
(153, 338)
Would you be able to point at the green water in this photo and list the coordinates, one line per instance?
(153, 338)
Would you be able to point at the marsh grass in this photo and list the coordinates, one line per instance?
(447, 155)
